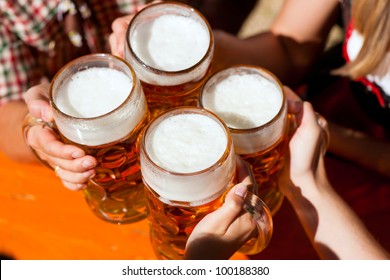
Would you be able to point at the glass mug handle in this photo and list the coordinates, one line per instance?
(262, 215)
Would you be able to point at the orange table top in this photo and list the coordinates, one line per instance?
(41, 219)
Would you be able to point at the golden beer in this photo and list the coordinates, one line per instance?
(253, 104)
(171, 223)
(116, 193)
(188, 166)
(170, 46)
(162, 98)
(99, 106)
(266, 166)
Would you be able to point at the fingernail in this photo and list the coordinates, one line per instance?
(89, 174)
(77, 154)
(241, 190)
(88, 163)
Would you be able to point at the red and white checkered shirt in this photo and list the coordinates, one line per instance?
(38, 37)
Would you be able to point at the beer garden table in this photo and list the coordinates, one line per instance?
(42, 220)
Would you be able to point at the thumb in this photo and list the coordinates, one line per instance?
(232, 207)
(234, 203)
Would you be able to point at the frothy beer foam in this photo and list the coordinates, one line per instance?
(188, 144)
(96, 92)
(93, 92)
(171, 42)
(244, 101)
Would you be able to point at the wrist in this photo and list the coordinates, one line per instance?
(313, 180)
(308, 187)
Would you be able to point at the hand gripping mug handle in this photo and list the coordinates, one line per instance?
(29, 122)
(262, 215)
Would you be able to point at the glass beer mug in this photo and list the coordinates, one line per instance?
(188, 165)
(98, 105)
(170, 46)
(253, 104)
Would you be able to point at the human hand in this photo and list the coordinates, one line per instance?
(118, 36)
(306, 147)
(221, 233)
(119, 26)
(70, 163)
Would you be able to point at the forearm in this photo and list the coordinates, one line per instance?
(263, 50)
(291, 46)
(268, 50)
(360, 148)
(288, 60)
(233, 15)
(12, 143)
(334, 229)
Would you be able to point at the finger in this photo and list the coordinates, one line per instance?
(76, 165)
(307, 121)
(236, 218)
(74, 187)
(233, 204)
(309, 115)
(244, 171)
(46, 142)
(37, 102)
(309, 134)
(220, 220)
(113, 45)
(120, 24)
(306, 116)
(74, 177)
(118, 37)
(294, 102)
(291, 95)
(237, 194)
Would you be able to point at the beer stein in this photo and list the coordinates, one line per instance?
(188, 165)
(253, 104)
(98, 105)
(170, 46)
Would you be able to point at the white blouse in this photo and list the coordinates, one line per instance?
(381, 75)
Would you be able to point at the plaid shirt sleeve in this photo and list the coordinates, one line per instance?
(28, 31)
(20, 26)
